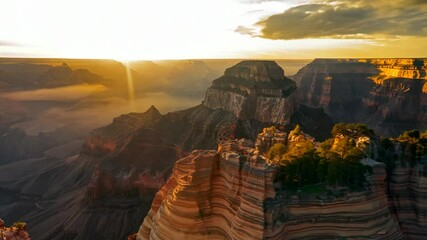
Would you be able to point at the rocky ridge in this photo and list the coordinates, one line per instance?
(387, 94)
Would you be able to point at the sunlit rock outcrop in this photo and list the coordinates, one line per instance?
(215, 195)
(231, 194)
(255, 90)
(268, 138)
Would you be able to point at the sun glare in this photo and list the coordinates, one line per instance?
(131, 30)
(128, 30)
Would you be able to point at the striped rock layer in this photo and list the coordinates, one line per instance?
(256, 90)
(229, 194)
(359, 215)
(408, 194)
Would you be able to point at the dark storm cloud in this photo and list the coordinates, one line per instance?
(348, 19)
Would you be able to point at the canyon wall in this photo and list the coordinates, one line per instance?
(256, 90)
(231, 194)
(358, 215)
(387, 94)
(407, 201)
(219, 194)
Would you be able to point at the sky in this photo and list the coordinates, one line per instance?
(206, 29)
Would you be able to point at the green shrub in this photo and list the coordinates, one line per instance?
(20, 225)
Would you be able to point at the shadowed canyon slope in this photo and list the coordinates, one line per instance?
(387, 94)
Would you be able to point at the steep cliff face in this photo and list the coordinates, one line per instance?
(359, 215)
(387, 94)
(231, 194)
(219, 194)
(408, 199)
(256, 90)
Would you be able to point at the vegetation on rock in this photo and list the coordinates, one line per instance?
(334, 162)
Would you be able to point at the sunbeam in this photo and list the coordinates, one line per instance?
(131, 88)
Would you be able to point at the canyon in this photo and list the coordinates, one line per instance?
(231, 193)
(105, 188)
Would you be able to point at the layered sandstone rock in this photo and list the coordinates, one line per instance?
(230, 194)
(255, 90)
(215, 195)
(399, 68)
(268, 138)
(408, 189)
(387, 94)
(359, 215)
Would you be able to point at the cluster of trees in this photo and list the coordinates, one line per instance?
(408, 148)
(336, 161)
(352, 130)
(333, 162)
(412, 145)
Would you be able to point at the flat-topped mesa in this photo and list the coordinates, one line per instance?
(254, 90)
(379, 69)
(400, 68)
(262, 71)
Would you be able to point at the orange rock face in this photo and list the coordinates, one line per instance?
(215, 195)
(230, 194)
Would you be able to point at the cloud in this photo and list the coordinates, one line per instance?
(10, 44)
(362, 19)
(287, 1)
(246, 30)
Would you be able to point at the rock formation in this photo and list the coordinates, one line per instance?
(256, 90)
(387, 94)
(359, 215)
(16, 232)
(408, 199)
(231, 194)
(268, 138)
(219, 194)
